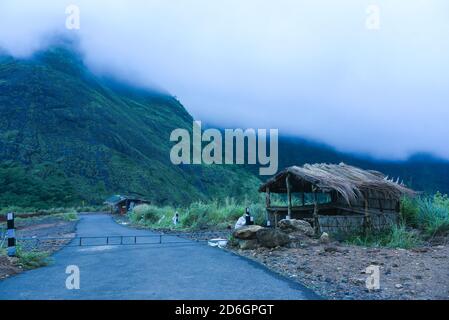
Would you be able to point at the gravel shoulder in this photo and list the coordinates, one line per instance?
(337, 271)
(38, 227)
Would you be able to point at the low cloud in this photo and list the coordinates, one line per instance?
(310, 68)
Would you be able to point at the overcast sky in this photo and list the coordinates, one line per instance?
(311, 68)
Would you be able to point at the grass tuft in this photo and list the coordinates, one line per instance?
(396, 237)
(32, 259)
(70, 216)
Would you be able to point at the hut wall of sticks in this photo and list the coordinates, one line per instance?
(336, 197)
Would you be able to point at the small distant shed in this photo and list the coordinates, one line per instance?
(120, 204)
(336, 197)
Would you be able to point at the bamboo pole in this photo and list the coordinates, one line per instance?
(268, 204)
(275, 219)
(316, 221)
(367, 219)
(289, 196)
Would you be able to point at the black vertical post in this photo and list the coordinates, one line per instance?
(11, 233)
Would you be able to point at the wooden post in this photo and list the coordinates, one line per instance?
(275, 219)
(289, 196)
(316, 221)
(303, 195)
(367, 219)
(268, 204)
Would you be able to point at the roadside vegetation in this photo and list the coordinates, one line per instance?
(19, 211)
(32, 259)
(70, 215)
(423, 219)
(198, 215)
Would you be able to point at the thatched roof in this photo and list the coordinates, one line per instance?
(116, 199)
(350, 182)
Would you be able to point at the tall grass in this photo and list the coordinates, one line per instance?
(433, 215)
(429, 214)
(199, 215)
(410, 211)
(422, 218)
(150, 215)
(398, 236)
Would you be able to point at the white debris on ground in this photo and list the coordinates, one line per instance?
(220, 243)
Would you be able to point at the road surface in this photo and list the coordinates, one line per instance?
(189, 270)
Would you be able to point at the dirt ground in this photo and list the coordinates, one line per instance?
(8, 267)
(337, 271)
(37, 227)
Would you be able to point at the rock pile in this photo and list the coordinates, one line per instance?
(296, 226)
(290, 232)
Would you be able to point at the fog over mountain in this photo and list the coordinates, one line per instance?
(309, 68)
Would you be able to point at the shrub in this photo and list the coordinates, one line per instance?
(199, 215)
(433, 215)
(150, 215)
(70, 216)
(429, 214)
(398, 236)
(409, 211)
(258, 211)
(441, 200)
(32, 259)
(144, 213)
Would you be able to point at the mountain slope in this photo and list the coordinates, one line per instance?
(420, 172)
(87, 137)
(68, 136)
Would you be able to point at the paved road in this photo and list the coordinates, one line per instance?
(157, 271)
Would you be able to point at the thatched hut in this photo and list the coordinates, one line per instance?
(334, 197)
(122, 204)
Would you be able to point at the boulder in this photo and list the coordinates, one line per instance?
(271, 238)
(324, 238)
(246, 232)
(294, 225)
(248, 244)
(330, 249)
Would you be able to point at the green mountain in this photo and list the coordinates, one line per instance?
(68, 136)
